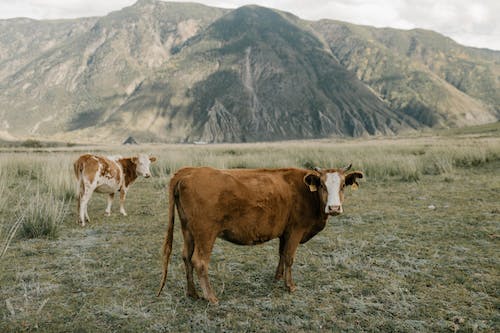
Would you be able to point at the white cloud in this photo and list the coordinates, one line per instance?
(478, 12)
(52, 9)
(468, 22)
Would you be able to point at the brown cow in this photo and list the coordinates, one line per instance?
(247, 207)
(107, 175)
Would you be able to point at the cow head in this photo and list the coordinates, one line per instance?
(330, 184)
(142, 163)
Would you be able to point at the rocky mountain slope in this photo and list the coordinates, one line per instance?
(183, 72)
(420, 73)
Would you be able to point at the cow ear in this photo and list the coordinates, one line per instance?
(312, 180)
(350, 179)
(152, 159)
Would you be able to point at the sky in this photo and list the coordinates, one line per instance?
(469, 22)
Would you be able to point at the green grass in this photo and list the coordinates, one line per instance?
(415, 251)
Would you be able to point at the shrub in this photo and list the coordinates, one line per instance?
(437, 164)
(42, 216)
(30, 143)
(470, 156)
(409, 170)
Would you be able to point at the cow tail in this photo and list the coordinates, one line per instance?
(167, 245)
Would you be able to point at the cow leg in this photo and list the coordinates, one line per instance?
(111, 196)
(187, 254)
(80, 212)
(123, 194)
(290, 248)
(87, 218)
(78, 207)
(83, 203)
(281, 264)
(87, 213)
(200, 260)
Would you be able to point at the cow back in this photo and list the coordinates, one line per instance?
(245, 206)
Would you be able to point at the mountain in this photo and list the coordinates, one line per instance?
(420, 73)
(84, 69)
(255, 74)
(184, 72)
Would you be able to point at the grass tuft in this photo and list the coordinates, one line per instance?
(42, 217)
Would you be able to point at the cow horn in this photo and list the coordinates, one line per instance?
(347, 167)
(317, 169)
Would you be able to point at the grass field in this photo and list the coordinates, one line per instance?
(416, 250)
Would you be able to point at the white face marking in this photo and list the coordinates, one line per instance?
(143, 165)
(333, 187)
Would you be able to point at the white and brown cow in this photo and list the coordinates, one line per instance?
(107, 175)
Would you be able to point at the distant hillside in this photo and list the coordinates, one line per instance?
(184, 72)
(420, 73)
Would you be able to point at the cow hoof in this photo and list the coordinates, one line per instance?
(292, 288)
(107, 213)
(213, 300)
(193, 295)
(278, 277)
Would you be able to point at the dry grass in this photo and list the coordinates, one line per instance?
(415, 251)
(41, 216)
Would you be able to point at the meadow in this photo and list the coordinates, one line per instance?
(416, 250)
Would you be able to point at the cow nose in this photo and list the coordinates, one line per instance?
(334, 209)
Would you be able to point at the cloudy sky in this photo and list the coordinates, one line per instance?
(469, 22)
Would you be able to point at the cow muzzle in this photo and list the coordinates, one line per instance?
(334, 210)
